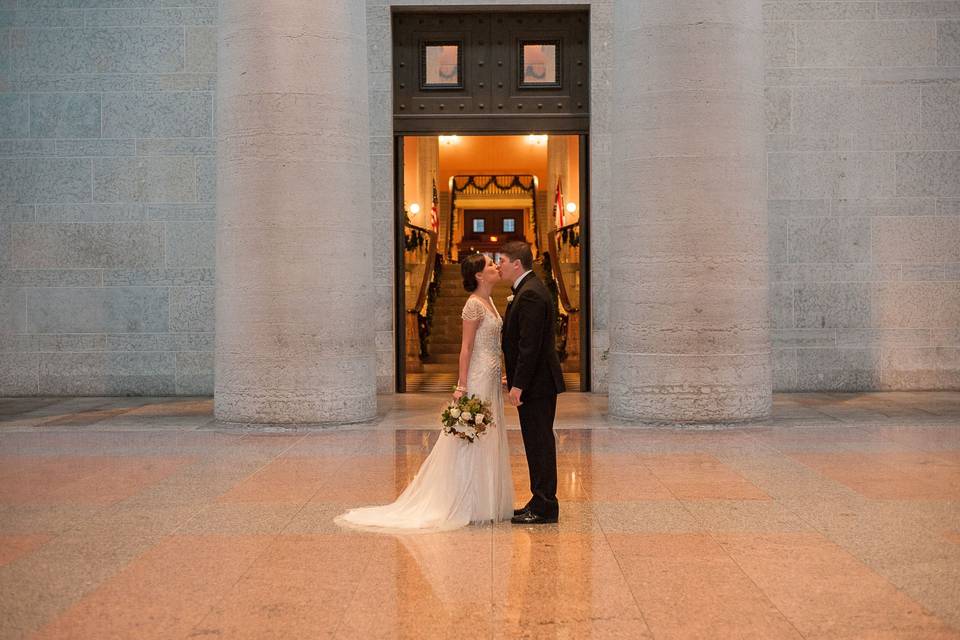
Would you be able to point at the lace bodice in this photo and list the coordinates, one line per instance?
(486, 346)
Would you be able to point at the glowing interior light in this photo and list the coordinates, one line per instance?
(537, 139)
(571, 207)
(414, 208)
(449, 139)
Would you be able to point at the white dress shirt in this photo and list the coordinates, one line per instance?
(516, 285)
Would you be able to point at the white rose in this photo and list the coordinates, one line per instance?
(455, 413)
(478, 418)
(470, 432)
(466, 416)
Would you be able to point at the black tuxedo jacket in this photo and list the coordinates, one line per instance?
(529, 343)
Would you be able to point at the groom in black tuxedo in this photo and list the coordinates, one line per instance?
(533, 377)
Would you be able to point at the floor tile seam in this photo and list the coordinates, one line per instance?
(208, 503)
(623, 576)
(739, 475)
(79, 479)
(844, 549)
(107, 403)
(214, 602)
(344, 461)
(104, 407)
(53, 537)
(268, 461)
(912, 475)
(353, 596)
(146, 544)
(875, 570)
(816, 475)
(39, 412)
(766, 596)
(826, 478)
(653, 474)
(300, 509)
(704, 528)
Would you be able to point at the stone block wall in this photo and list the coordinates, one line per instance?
(863, 115)
(107, 181)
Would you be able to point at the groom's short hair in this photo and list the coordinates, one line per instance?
(518, 250)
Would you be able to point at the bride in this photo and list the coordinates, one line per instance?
(460, 482)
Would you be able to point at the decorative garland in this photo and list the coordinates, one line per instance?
(562, 321)
(415, 240)
(425, 322)
(498, 183)
(571, 236)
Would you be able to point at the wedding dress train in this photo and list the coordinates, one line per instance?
(459, 482)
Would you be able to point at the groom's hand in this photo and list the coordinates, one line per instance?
(515, 396)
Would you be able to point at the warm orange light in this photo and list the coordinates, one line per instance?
(493, 238)
(414, 208)
(537, 139)
(571, 207)
(449, 139)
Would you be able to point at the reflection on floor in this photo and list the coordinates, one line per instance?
(142, 518)
(442, 382)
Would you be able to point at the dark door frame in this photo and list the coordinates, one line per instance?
(399, 269)
(400, 310)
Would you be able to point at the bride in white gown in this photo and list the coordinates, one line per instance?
(460, 482)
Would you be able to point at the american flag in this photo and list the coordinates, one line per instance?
(558, 205)
(434, 208)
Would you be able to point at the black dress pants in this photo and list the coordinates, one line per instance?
(536, 426)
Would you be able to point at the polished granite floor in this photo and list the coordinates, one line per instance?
(142, 518)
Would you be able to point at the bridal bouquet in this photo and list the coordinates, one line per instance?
(468, 418)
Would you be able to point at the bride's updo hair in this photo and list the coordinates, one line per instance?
(470, 267)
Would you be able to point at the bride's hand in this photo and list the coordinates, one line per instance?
(457, 394)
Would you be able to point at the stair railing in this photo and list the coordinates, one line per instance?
(562, 245)
(421, 312)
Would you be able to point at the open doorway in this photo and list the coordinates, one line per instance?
(458, 195)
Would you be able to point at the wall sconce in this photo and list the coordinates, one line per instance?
(536, 139)
(414, 208)
(493, 238)
(448, 140)
(571, 207)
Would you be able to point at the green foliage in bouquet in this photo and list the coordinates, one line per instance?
(468, 418)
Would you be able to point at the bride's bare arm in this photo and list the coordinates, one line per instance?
(466, 351)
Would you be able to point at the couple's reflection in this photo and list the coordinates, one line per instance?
(485, 577)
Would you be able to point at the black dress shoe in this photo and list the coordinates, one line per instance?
(529, 517)
(522, 510)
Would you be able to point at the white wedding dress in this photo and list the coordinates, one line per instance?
(460, 482)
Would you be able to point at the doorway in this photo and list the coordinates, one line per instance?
(458, 195)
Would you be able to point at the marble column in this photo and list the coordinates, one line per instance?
(689, 331)
(294, 302)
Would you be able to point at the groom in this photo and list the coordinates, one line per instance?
(533, 377)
